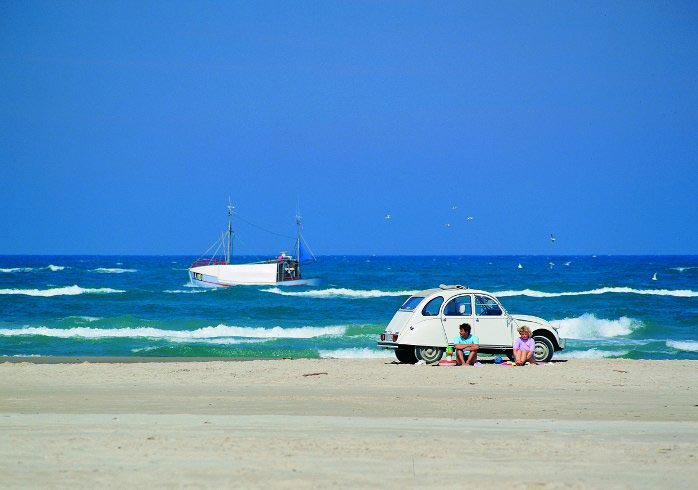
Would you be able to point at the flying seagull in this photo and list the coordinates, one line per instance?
(387, 216)
(552, 238)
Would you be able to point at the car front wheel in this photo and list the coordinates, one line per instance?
(429, 355)
(543, 350)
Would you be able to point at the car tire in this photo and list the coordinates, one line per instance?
(430, 355)
(543, 349)
(406, 355)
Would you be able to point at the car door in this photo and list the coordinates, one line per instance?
(458, 310)
(491, 322)
(426, 328)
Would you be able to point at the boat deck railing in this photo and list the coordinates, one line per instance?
(211, 261)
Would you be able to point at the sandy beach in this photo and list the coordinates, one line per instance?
(348, 423)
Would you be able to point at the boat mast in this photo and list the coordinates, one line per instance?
(229, 248)
(298, 243)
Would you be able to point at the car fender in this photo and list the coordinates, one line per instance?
(537, 324)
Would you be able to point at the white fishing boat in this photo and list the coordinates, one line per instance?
(283, 270)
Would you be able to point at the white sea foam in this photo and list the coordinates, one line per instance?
(85, 318)
(51, 267)
(682, 269)
(25, 355)
(590, 354)
(340, 293)
(356, 353)
(144, 349)
(588, 326)
(219, 331)
(105, 270)
(190, 291)
(682, 293)
(224, 340)
(686, 345)
(64, 291)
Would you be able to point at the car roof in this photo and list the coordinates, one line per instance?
(451, 290)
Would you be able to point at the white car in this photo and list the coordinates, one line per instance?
(427, 323)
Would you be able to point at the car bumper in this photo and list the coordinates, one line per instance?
(386, 344)
(562, 343)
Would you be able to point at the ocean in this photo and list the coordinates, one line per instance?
(605, 306)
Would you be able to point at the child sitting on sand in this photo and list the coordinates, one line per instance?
(523, 347)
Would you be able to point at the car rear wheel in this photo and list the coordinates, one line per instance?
(406, 355)
(543, 350)
(429, 355)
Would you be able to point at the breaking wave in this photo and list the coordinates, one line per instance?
(64, 291)
(25, 355)
(190, 291)
(340, 293)
(591, 354)
(220, 331)
(682, 293)
(51, 267)
(588, 327)
(356, 353)
(686, 345)
(105, 270)
(84, 318)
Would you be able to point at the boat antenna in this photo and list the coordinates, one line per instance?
(229, 249)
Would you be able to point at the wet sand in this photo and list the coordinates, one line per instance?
(348, 423)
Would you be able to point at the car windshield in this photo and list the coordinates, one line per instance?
(412, 303)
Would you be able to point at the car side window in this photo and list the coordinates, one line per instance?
(459, 306)
(485, 306)
(432, 307)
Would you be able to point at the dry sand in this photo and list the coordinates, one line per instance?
(350, 423)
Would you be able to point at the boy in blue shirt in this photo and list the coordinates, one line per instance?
(466, 345)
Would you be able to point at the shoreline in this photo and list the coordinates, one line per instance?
(124, 359)
(348, 423)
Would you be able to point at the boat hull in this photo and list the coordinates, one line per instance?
(264, 274)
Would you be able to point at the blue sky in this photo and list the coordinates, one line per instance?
(125, 126)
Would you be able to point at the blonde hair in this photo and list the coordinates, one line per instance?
(524, 329)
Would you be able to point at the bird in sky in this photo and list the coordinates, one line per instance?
(454, 207)
(470, 218)
(447, 225)
(552, 238)
(387, 216)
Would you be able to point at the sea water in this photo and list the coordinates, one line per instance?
(144, 306)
